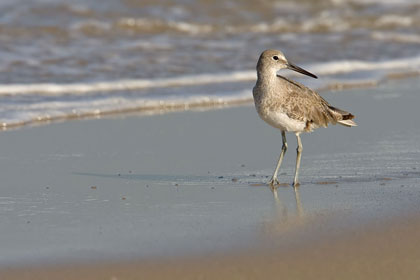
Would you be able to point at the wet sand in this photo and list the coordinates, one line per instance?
(381, 252)
(182, 196)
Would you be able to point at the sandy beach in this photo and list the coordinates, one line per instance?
(183, 196)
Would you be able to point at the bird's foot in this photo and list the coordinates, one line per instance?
(273, 182)
(296, 184)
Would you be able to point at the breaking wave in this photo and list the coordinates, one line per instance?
(33, 103)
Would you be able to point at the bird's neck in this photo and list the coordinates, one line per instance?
(266, 76)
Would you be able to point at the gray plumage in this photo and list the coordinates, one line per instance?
(291, 106)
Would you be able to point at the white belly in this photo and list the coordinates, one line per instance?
(282, 121)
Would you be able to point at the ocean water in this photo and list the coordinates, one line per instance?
(62, 59)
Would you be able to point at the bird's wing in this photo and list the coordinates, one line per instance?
(308, 106)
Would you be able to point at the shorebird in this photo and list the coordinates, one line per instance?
(290, 106)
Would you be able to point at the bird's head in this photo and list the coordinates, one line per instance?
(274, 60)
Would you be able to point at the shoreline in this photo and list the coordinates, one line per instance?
(157, 107)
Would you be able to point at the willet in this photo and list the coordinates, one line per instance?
(291, 106)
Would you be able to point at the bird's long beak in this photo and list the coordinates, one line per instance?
(300, 70)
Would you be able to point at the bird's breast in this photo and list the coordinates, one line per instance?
(275, 114)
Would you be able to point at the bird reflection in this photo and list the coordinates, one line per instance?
(282, 220)
(299, 208)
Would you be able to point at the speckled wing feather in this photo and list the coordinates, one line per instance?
(306, 105)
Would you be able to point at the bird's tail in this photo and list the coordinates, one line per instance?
(343, 117)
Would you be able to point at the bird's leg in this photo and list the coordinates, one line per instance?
(298, 156)
(274, 180)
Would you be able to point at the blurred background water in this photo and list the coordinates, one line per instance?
(72, 58)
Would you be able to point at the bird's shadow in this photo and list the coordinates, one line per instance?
(179, 179)
(244, 180)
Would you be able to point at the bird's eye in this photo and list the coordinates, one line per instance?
(275, 57)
